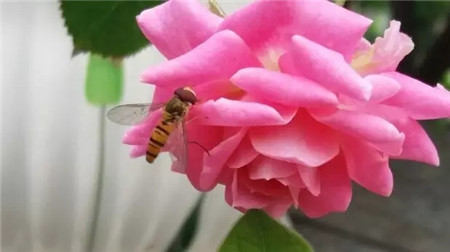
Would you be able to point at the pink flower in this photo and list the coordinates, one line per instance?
(295, 104)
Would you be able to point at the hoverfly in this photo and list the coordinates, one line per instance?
(174, 112)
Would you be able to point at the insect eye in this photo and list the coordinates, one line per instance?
(186, 95)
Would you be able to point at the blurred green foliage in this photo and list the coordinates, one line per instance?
(446, 79)
(104, 80)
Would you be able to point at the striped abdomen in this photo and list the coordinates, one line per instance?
(159, 137)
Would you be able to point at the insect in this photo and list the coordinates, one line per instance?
(174, 112)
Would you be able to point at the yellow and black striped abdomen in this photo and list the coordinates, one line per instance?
(159, 137)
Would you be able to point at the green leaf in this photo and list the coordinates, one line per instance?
(256, 232)
(104, 80)
(187, 232)
(107, 28)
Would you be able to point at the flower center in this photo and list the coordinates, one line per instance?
(270, 59)
(362, 61)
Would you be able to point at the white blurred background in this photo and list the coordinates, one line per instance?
(50, 153)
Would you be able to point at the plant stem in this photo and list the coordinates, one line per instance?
(99, 189)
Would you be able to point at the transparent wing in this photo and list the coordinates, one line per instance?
(179, 147)
(131, 114)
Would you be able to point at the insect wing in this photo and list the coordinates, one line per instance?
(178, 147)
(131, 114)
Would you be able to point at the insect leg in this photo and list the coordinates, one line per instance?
(201, 146)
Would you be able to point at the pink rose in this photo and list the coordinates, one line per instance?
(295, 104)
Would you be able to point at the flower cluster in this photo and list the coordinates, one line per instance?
(295, 103)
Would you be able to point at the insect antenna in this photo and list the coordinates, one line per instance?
(201, 146)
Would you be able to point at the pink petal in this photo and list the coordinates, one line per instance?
(362, 46)
(417, 145)
(368, 166)
(302, 141)
(243, 155)
(138, 150)
(324, 66)
(239, 196)
(161, 96)
(213, 60)
(440, 87)
(265, 22)
(177, 26)
(224, 112)
(208, 137)
(278, 208)
(282, 88)
(215, 161)
(335, 191)
(419, 100)
(383, 87)
(293, 180)
(381, 133)
(390, 49)
(294, 184)
(268, 168)
(218, 89)
(310, 178)
(266, 187)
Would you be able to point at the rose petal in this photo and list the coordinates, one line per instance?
(335, 191)
(239, 196)
(161, 96)
(417, 145)
(419, 100)
(390, 49)
(266, 187)
(282, 88)
(383, 87)
(208, 137)
(138, 150)
(381, 133)
(215, 161)
(324, 66)
(293, 180)
(362, 46)
(268, 168)
(310, 178)
(224, 112)
(278, 208)
(218, 89)
(263, 23)
(177, 26)
(213, 60)
(243, 155)
(302, 141)
(294, 184)
(368, 166)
